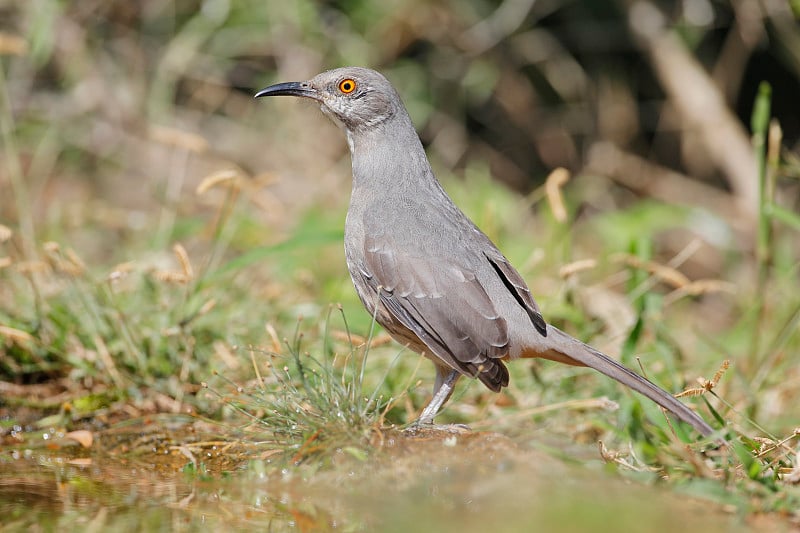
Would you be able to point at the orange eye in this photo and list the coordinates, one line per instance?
(347, 85)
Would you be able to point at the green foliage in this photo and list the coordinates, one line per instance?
(313, 406)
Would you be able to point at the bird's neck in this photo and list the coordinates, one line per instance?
(390, 157)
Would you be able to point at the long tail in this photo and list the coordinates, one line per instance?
(584, 355)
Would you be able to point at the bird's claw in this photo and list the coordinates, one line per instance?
(423, 429)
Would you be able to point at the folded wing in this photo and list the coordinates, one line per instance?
(444, 305)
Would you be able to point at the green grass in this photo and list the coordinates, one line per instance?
(312, 386)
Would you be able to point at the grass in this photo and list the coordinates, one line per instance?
(123, 333)
(203, 287)
(142, 326)
(306, 400)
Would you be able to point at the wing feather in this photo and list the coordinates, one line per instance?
(444, 305)
(518, 288)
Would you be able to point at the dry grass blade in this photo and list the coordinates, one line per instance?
(182, 277)
(699, 287)
(120, 271)
(555, 181)
(5, 233)
(108, 362)
(15, 335)
(576, 266)
(178, 138)
(227, 177)
(706, 385)
(183, 259)
(665, 273)
(276, 346)
(12, 45)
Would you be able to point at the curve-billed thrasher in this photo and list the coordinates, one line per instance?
(441, 287)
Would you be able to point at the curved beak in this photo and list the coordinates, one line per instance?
(292, 88)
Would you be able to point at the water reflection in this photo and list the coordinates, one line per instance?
(156, 478)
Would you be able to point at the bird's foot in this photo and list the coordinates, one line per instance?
(429, 429)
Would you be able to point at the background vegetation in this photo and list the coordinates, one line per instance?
(161, 232)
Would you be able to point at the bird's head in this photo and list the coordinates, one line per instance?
(354, 97)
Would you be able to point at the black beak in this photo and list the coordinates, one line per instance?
(292, 88)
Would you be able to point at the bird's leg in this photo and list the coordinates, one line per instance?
(443, 388)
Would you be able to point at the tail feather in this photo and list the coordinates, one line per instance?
(584, 355)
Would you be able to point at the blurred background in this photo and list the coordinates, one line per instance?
(108, 101)
(129, 126)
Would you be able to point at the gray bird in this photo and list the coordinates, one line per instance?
(431, 278)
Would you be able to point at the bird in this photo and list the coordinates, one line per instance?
(434, 281)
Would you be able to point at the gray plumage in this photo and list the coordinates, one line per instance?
(440, 285)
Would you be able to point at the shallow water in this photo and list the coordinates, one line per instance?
(155, 476)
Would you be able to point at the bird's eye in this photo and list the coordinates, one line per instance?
(347, 85)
